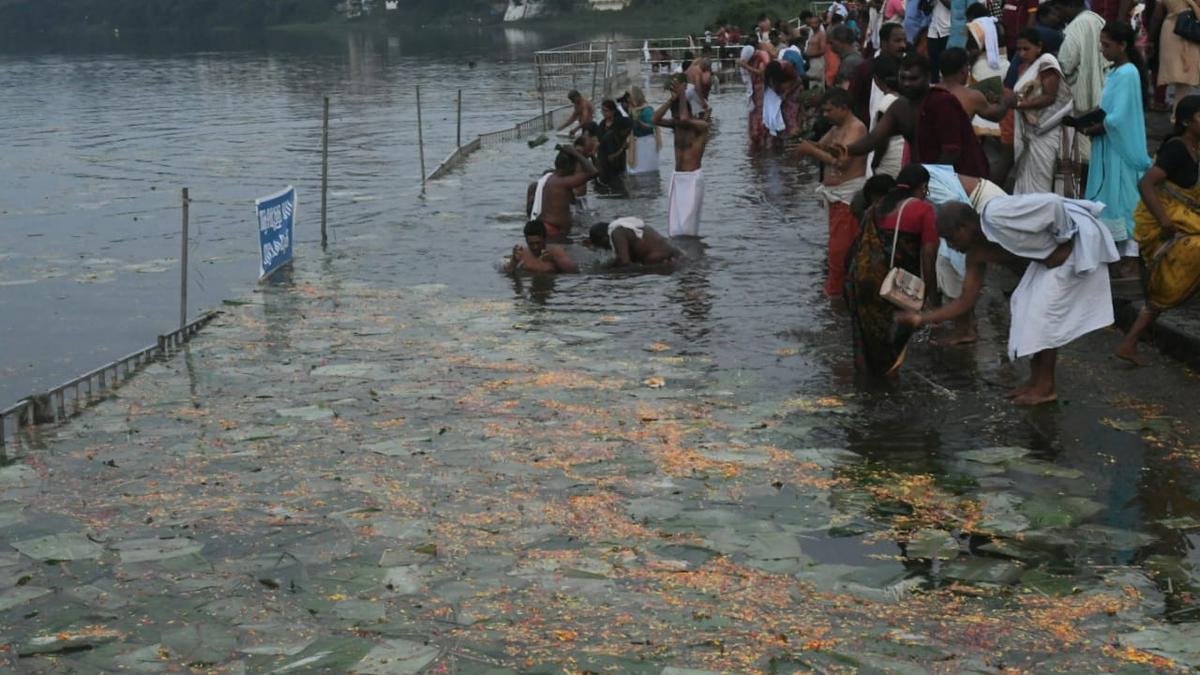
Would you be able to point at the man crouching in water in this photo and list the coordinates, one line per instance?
(632, 241)
(536, 256)
(550, 198)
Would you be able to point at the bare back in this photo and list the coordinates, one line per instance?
(651, 249)
(557, 197)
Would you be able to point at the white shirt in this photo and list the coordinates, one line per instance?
(939, 26)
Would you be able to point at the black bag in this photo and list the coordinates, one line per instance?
(1085, 120)
(1187, 26)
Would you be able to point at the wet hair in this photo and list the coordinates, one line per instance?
(806, 15)
(887, 69)
(574, 95)
(609, 104)
(885, 31)
(565, 162)
(535, 228)
(877, 186)
(1072, 4)
(952, 215)
(1185, 110)
(1031, 35)
(843, 34)
(773, 36)
(909, 179)
(836, 97)
(598, 235)
(916, 61)
(977, 10)
(762, 18)
(836, 20)
(954, 60)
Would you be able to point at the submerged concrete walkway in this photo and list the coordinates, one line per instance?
(339, 477)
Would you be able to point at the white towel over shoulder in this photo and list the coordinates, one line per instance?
(1053, 307)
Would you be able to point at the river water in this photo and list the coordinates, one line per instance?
(1097, 492)
(98, 147)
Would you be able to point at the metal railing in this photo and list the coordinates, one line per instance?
(73, 396)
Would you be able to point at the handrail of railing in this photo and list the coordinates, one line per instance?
(51, 406)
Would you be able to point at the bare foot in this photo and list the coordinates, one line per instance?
(1035, 397)
(1131, 356)
(1019, 391)
(956, 338)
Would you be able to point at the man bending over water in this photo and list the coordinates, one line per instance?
(551, 197)
(536, 256)
(686, 198)
(583, 114)
(1064, 292)
(632, 241)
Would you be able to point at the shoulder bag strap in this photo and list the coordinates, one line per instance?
(896, 232)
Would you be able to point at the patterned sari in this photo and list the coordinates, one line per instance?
(879, 343)
(1172, 265)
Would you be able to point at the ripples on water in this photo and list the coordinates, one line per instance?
(99, 146)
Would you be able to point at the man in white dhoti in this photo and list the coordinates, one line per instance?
(1065, 291)
(686, 197)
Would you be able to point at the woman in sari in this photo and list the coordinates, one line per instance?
(757, 68)
(899, 230)
(1167, 224)
(647, 139)
(1119, 142)
(1043, 99)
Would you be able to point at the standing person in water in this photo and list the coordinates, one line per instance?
(583, 115)
(1064, 292)
(632, 241)
(699, 78)
(551, 196)
(538, 257)
(686, 197)
(843, 179)
(931, 120)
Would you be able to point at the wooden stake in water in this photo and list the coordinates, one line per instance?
(420, 139)
(458, 126)
(324, 169)
(183, 264)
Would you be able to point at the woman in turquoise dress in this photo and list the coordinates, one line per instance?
(1119, 157)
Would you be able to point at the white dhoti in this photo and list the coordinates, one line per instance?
(772, 114)
(536, 211)
(1052, 307)
(645, 155)
(684, 203)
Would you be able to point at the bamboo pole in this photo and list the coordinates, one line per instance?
(420, 139)
(183, 263)
(324, 170)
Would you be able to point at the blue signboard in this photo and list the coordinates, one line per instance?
(276, 218)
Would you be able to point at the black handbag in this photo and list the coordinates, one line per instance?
(1187, 26)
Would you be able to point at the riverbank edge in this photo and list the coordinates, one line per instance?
(1176, 333)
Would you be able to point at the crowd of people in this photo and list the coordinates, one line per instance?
(951, 134)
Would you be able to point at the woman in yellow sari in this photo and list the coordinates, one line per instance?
(1167, 225)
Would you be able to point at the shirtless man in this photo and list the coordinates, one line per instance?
(842, 180)
(632, 241)
(583, 114)
(814, 49)
(956, 72)
(686, 198)
(536, 256)
(550, 198)
(699, 84)
(1064, 292)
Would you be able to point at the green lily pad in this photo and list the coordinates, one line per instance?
(1178, 642)
(993, 455)
(397, 657)
(147, 550)
(307, 413)
(932, 544)
(62, 546)
(1058, 511)
(983, 570)
(1039, 468)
